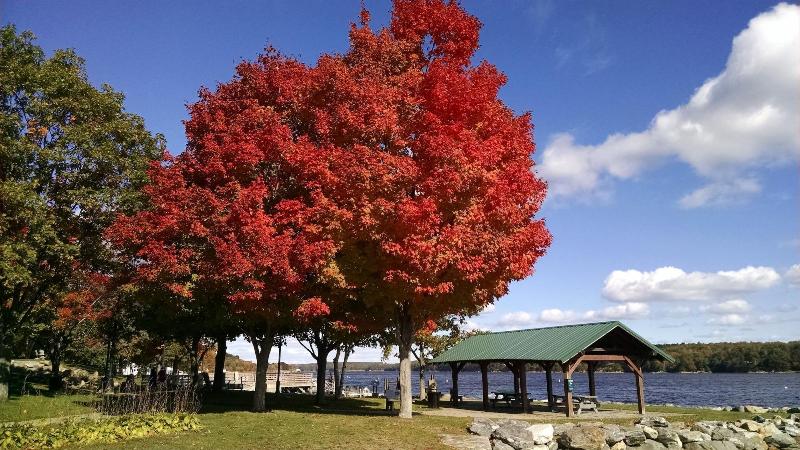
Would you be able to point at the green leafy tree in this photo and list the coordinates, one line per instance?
(71, 159)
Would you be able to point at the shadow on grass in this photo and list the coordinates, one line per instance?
(227, 401)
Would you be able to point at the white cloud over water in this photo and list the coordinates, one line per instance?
(743, 119)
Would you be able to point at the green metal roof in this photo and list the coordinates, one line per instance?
(560, 344)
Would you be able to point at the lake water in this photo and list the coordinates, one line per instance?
(687, 389)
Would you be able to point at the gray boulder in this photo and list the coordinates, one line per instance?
(651, 445)
(500, 445)
(768, 429)
(619, 446)
(722, 434)
(583, 438)
(653, 421)
(791, 430)
(635, 437)
(541, 433)
(710, 445)
(669, 438)
(754, 443)
(780, 440)
(706, 427)
(614, 435)
(515, 435)
(649, 432)
(754, 409)
(482, 426)
(751, 425)
(688, 436)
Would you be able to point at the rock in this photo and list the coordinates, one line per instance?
(653, 421)
(560, 428)
(688, 436)
(793, 410)
(649, 432)
(780, 440)
(619, 446)
(514, 434)
(760, 419)
(751, 425)
(497, 444)
(721, 434)
(706, 427)
(583, 438)
(753, 443)
(541, 433)
(466, 441)
(710, 445)
(651, 445)
(482, 426)
(768, 429)
(614, 436)
(669, 438)
(754, 409)
(635, 437)
(791, 430)
(553, 445)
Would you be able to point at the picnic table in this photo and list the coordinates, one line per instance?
(582, 402)
(509, 397)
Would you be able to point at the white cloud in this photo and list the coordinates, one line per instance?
(746, 117)
(736, 306)
(728, 319)
(517, 319)
(630, 310)
(719, 193)
(555, 315)
(672, 283)
(793, 275)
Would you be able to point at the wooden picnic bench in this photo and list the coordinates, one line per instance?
(234, 386)
(580, 402)
(511, 398)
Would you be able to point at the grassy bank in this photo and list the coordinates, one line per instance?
(295, 422)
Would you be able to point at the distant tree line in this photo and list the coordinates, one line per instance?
(730, 357)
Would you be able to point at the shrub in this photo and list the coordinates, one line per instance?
(95, 431)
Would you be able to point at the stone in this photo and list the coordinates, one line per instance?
(614, 436)
(560, 428)
(635, 437)
(760, 419)
(653, 421)
(755, 409)
(541, 433)
(466, 441)
(649, 432)
(706, 427)
(710, 445)
(669, 438)
(721, 434)
(553, 445)
(751, 425)
(514, 434)
(583, 438)
(497, 444)
(780, 440)
(688, 436)
(768, 429)
(651, 445)
(754, 443)
(619, 446)
(482, 426)
(791, 430)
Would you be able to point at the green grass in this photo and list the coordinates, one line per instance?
(295, 422)
(28, 407)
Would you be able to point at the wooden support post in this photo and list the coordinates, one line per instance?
(515, 371)
(548, 372)
(566, 369)
(590, 372)
(485, 384)
(455, 368)
(637, 372)
(523, 384)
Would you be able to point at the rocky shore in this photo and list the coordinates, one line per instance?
(649, 433)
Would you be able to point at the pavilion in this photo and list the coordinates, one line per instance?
(568, 346)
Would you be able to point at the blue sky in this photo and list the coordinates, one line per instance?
(669, 133)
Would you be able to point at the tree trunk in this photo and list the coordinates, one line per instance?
(405, 336)
(262, 348)
(347, 352)
(322, 366)
(194, 363)
(423, 394)
(219, 364)
(55, 366)
(337, 387)
(278, 378)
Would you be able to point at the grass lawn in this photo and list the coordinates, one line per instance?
(28, 407)
(295, 422)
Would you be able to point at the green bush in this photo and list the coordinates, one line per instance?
(95, 431)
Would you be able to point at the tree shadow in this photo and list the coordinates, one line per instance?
(241, 401)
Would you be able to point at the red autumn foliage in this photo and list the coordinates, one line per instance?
(310, 309)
